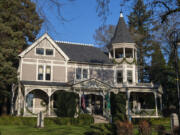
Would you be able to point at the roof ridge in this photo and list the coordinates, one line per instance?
(75, 43)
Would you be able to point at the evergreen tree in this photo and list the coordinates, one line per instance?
(19, 24)
(158, 66)
(139, 20)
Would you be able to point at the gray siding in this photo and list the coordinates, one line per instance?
(28, 72)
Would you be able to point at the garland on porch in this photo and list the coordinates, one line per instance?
(125, 60)
(29, 111)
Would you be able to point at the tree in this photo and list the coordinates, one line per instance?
(104, 34)
(170, 7)
(158, 66)
(19, 24)
(139, 20)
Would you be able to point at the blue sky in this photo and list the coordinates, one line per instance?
(82, 20)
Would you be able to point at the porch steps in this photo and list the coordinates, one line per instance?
(100, 119)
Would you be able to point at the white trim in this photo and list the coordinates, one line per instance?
(38, 41)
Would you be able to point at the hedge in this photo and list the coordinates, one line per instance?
(83, 119)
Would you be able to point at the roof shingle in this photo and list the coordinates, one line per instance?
(84, 53)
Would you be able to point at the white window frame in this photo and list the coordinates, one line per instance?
(131, 76)
(44, 73)
(45, 48)
(119, 70)
(82, 68)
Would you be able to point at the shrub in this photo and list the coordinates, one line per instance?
(101, 129)
(124, 128)
(85, 119)
(144, 128)
(9, 120)
(118, 106)
(161, 130)
(65, 103)
(176, 131)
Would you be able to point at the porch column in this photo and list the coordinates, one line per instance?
(104, 112)
(24, 101)
(124, 54)
(113, 52)
(127, 105)
(155, 96)
(19, 107)
(161, 103)
(80, 102)
(49, 105)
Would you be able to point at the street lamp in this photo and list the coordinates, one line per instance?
(175, 41)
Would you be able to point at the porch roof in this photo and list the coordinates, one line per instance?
(44, 83)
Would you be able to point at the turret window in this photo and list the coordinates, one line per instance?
(129, 52)
(119, 53)
(119, 76)
(129, 76)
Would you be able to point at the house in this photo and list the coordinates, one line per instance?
(48, 66)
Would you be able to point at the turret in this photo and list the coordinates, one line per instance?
(123, 51)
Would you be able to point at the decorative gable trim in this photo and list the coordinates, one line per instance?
(38, 41)
(92, 84)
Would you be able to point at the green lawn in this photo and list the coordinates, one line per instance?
(51, 130)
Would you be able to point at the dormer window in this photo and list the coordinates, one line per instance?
(40, 51)
(49, 51)
(129, 52)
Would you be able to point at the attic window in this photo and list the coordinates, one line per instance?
(40, 51)
(49, 51)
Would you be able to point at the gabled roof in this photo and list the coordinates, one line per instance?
(84, 53)
(122, 34)
(45, 36)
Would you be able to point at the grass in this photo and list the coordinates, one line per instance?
(54, 129)
(50, 130)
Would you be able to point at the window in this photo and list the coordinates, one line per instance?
(78, 73)
(119, 53)
(119, 76)
(40, 72)
(29, 100)
(129, 52)
(129, 76)
(49, 51)
(40, 51)
(48, 73)
(85, 73)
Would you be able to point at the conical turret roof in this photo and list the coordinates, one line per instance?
(122, 34)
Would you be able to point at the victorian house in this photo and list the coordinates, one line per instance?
(48, 66)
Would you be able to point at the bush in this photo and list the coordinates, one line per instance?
(65, 103)
(118, 106)
(124, 128)
(101, 129)
(161, 130)
(144, 128)
(83, 119)
(176, 131)
(9, 120)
